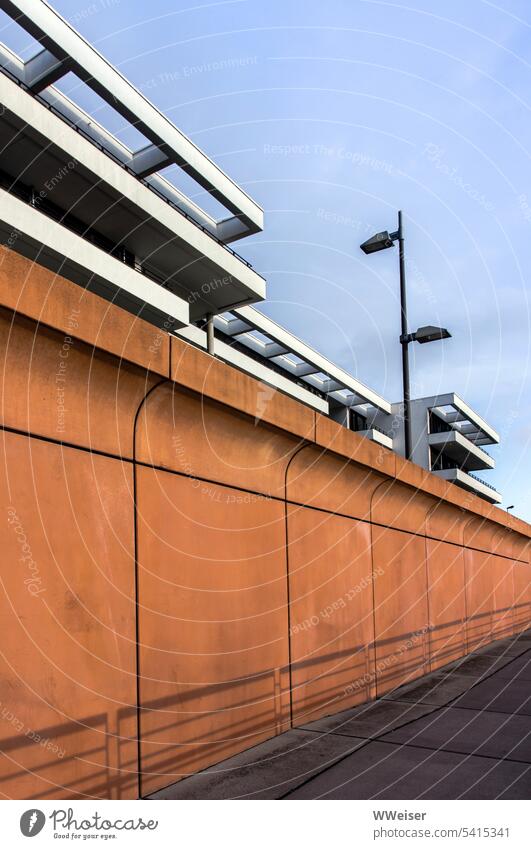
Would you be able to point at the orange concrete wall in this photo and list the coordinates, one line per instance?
(194, 563)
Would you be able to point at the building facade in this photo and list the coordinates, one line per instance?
(199, 552)
(79, 202)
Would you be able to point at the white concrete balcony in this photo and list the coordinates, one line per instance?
(378, 436)
(66, 253)
(470, 483)
(78, 171)
(276, 345)
(456, 413)
(62, 51)
(461, 449)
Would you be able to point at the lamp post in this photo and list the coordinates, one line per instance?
(379, 242)
(510, 507)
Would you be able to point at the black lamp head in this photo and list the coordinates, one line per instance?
(378, 242)
(431, 334)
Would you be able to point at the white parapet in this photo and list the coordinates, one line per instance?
(471, 483)
(80, 177)
(65, 50)
(56, 247)
(462, 449)
(234, 357)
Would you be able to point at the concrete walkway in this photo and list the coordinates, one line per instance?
(463, 732)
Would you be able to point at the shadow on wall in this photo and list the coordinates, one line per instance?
(92, 759)
(70, 760)
(177, 741)
(272, 587)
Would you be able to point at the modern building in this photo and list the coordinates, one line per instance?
(199, 552)
(75, 199)
(447, 438)
(82, 203)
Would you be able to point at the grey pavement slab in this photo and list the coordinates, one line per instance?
(478, 665)
(435, 689)
(385, 771)
(519, 668)
(524, 637)
(494, 735)
(498, 694)
(461, 732)
(266, 771)
(506, 648)
(371, 719)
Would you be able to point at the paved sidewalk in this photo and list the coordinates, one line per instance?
(463, 732)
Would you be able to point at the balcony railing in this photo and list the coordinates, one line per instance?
(118, 161)
(479, 480)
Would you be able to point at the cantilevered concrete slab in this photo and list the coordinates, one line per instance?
(470, 482)
(298, 359)
(64, 50)
(54, 246)
(234, 357)
(454, 444)
(453, 410)
(45, 158)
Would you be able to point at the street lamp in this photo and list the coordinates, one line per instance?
(379, 242)
(511, 507)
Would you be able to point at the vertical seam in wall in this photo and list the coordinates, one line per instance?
(428, 663)
(489, 553)
(137, 601)
(462, 546)
(288, 594)
(387, 481)
(430, 645)
(466, 595)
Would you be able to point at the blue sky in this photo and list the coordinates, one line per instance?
(334, 115)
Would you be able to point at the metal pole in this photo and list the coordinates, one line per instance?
(210, 333)
(404, 341)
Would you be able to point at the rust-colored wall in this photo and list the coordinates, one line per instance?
(193, 555)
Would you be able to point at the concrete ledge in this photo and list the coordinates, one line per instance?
(59, 249)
